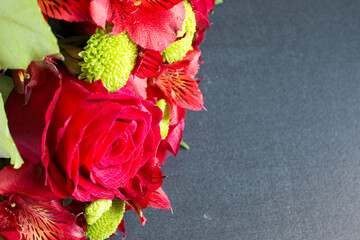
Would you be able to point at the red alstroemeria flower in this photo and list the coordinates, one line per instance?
(176, 81)
(178, 84)
(150, 24)
(31, 210)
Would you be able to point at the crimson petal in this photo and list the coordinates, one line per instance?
(137, 86)
(28, 180)
(120, 13)
(148, 64)
(172, 141)
(98, 12)
(160, 4)
(159, 199)
(68, 10)
(18, 124)
(156, 29)
(190, 63)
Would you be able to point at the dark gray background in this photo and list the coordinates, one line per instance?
(277, 154)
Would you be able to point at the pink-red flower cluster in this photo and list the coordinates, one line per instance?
(81, 142)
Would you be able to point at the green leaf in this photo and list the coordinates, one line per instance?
(184, 145)
(6, 85)
(218, 1)
(66, 201)
(7, 146)
(24, 34)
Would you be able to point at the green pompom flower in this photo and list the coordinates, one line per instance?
(103, 223)
(96, 209)
(109, 58)
(177, 51)
(164, 124)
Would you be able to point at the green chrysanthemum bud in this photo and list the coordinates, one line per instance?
(164, 124)
(178, 49)
(108, 221)
(96, 209)
(109, 58)
(72, 58)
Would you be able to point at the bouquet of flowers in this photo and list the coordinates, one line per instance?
(94, 95)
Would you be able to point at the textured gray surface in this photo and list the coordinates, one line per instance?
(277, 154)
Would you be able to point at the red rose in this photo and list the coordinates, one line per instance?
(93, 145)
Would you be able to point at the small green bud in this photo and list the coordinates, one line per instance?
(109, 58)
(108, 221)
(177, 51)
(164, 124)
(72, 58)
